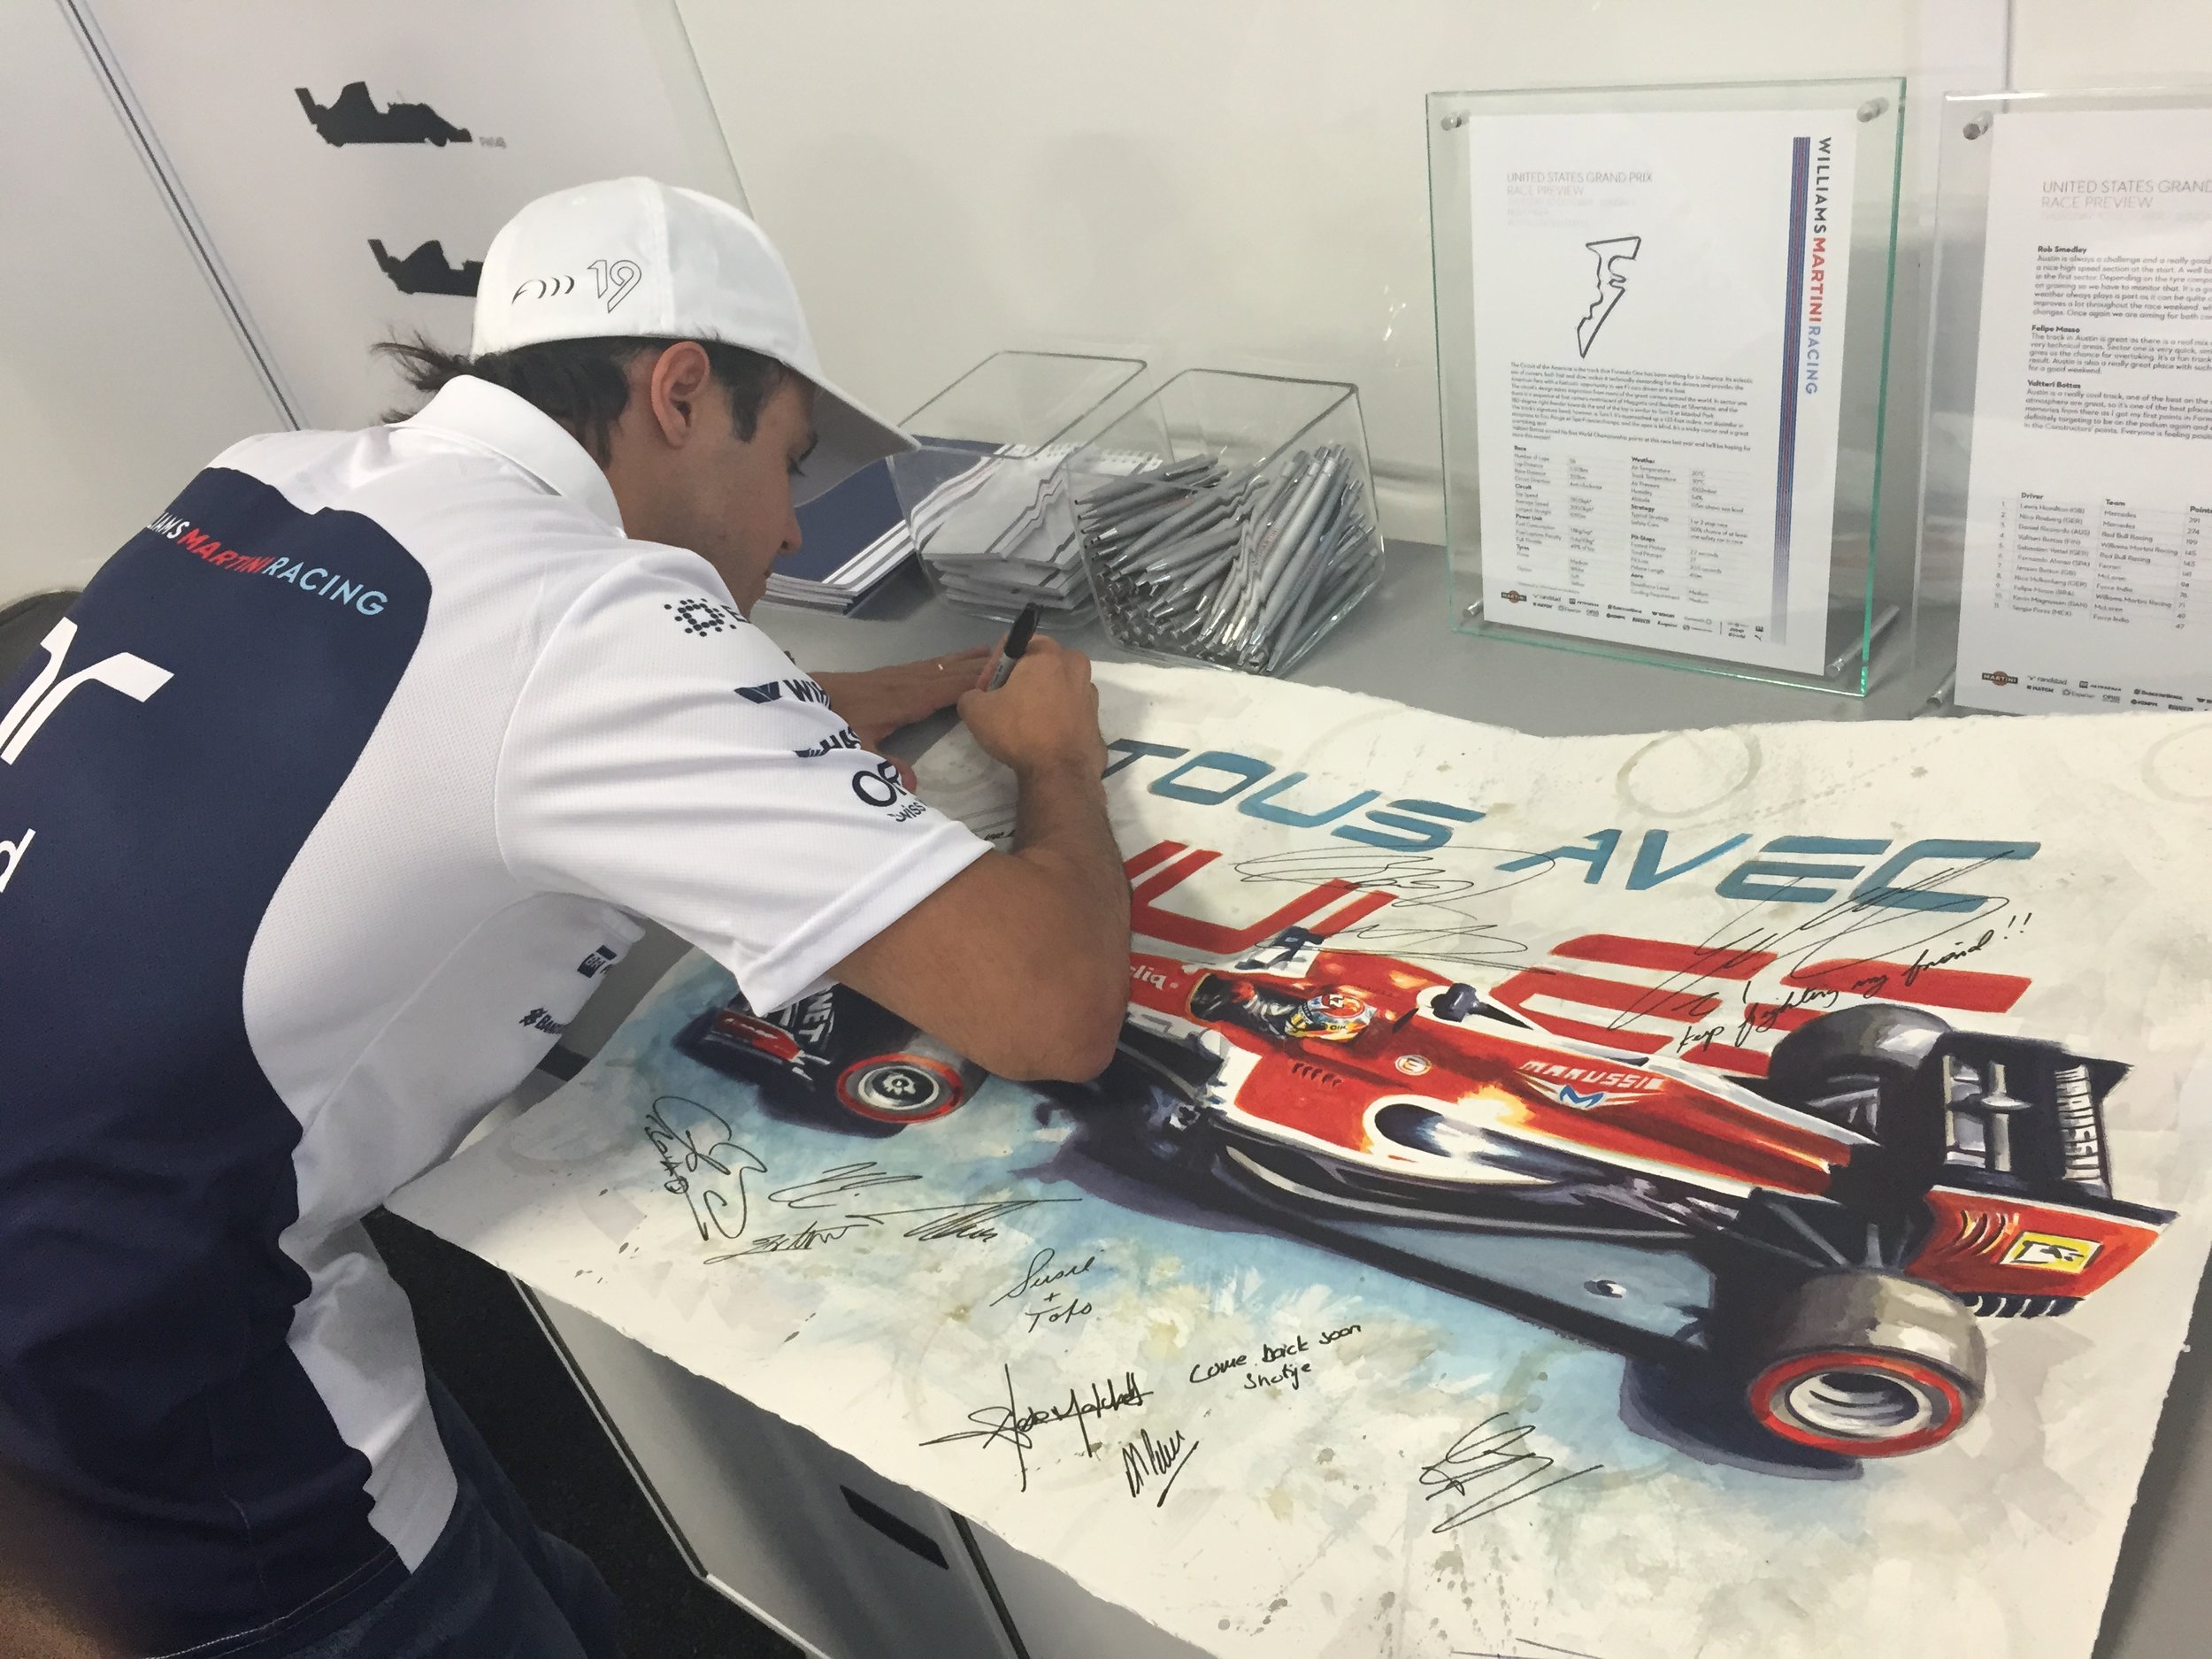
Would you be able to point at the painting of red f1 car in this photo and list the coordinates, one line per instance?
(1851, 1214)
(1816, 1247)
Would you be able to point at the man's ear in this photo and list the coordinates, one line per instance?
(676, 387)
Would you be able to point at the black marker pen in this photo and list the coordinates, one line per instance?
(1016, 642)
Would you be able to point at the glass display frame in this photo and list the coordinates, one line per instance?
(1967, 126)
(1868, 597)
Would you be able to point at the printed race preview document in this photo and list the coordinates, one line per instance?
(1659, 306)
(2089, 502)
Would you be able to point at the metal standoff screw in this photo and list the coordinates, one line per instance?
(1873, 108)
(1979, 124)
(1451, 121)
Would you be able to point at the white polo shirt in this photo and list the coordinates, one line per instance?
(333, 797)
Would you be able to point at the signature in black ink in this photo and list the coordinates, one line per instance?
(1282, 1355)
(832, 1185)
(791, 1243)
(1288, 1371)
(685, 1146)
(1733, 946)
(963, 1221)
(1476, 1466)
(1145, 1460)
(1057, 1309)
(1698, 1037)
(693, 1143)
(1041, 1272)
(1010, 1424)
(1921, 961)
(1425, 917)
(1768, 1015)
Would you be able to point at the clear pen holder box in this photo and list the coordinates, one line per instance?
(1229, 519)
(985, 495)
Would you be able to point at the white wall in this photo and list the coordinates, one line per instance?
(2111, 42)
(118, 374)
(1199, 180)
(1242, 184)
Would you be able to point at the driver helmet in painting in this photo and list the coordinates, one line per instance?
(1335, 1015)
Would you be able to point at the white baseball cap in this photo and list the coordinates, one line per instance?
(636, 257)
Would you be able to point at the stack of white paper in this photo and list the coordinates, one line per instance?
(850, 539)
(999, 536)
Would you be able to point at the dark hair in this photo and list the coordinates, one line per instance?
(584, 384)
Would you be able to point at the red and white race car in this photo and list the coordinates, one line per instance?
(1819, 1240)
(1813, 1248)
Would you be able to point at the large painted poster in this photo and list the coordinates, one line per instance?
(1727, 1193)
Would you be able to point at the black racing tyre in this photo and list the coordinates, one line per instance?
(903, 1088)
(1867, 1364)
(1856, 1066)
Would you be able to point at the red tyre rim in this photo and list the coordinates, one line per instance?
(854, 1093)
(1772, 1390)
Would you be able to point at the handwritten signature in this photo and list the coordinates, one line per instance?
(1057, 1309)
(1144, 1460)
(1041, 1272)
(832, 1185)
(1852, 919)
(693, 1145)
(964, 1221)
(1013, 1426)
(944, 1221)
(1283, 1354)
(1477, 1465)
(791, 1243)
(1921, 961)
(1766, 1016)
(1426, 916)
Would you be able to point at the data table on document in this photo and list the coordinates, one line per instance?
(1621, 527)
(2107, 560)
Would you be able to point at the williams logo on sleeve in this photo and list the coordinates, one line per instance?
(775, 690)
(699, 616)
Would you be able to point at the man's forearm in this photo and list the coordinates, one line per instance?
(1061, 830)
(1021, 960)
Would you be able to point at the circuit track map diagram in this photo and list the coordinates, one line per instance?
(1614, 255)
